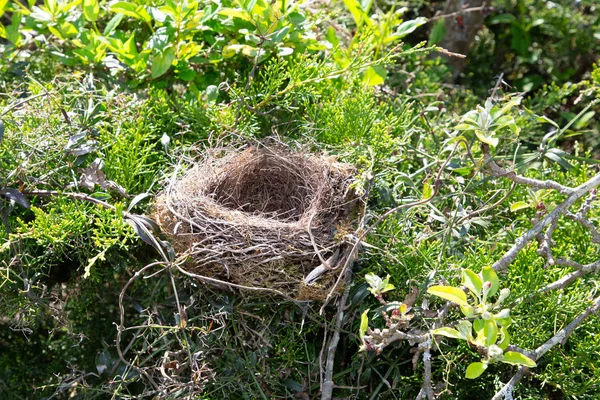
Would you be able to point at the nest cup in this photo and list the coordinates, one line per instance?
(257, 217)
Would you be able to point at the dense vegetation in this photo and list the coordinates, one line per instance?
(101, 101)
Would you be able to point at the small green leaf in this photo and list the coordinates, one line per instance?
(474, 370)
(427, 191)
(488, 139)
(437, 33)
(466, 329)
(547, 120)
(464, 127)
(448, 332)
(131, 10)
(112, 24)
(162, 62)
(374, 76)
(388, 287)
(467, 311)
(490, 330)
(519, 205)
(91, 8)
(449, 293)
(505, 338)
(472, 281)
(364, 324)
(515, 358)
(408, 27)
(489, 275)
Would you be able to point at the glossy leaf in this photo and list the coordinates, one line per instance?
(375, 75)
(408, 27)
(489, 275)
(364, 324)
(519, 205)
(91, 9)
(450, 293)
(162, 62)
(490, 330)
(516, 358)
(474, 370)
(505, 338)
(448, 332)
(472, 281)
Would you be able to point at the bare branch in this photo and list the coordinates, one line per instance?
(560, 337)
(561, 209)
(498, 171)
(328, 384)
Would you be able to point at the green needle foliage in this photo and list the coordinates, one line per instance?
(102, 102)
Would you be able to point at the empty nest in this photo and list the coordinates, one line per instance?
(262, 217)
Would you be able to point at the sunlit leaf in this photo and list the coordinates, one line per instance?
(374, 76)
(505, 338)
(474, 370)
(448, 332)
(364, 324)
(519, 205)
(516, 358)
(489, 275)
(91, 8)
(490, 330)
(472, 281)
(450, 293)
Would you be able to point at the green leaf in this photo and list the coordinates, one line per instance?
(558, 159)
(490, 330)
(472, 281)
(450, 293)
(112, 24)
(374, 76)
(464, 127)
(489, 139)
(91, 9)
(547, 120)
(465, 328)
(505, 338)
(162, 62)
(515, 101)
(503, 19)
(489, 275)
(467, 311)
(427, 191)
(212, 92)
(408, 27)
(519, 205)
(358, 14)
(584, 119)
(373, 280)
(437, 33)
(364, 324)
(474, 370)
(131, 10)
(515, 358)
(448, 332)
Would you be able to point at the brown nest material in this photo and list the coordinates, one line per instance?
(263, 217)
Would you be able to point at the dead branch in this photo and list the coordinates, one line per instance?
(328, 384)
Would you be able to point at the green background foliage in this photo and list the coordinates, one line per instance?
(82, 81)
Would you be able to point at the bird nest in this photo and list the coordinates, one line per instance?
(263, 217)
